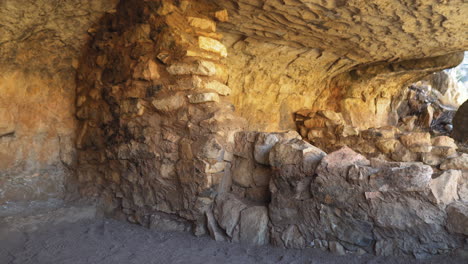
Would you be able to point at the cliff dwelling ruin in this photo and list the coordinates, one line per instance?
(290, 128)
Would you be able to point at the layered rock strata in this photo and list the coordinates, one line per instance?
(346, 56)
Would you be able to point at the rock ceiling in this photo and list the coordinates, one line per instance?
(357, 31)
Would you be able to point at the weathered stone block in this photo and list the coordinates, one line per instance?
(336, 164)
(203, 98)
(444, 187)
(222, 15)
(169, 103)
(408, 177)
(218, 87)
(296, 152)
(254, 225)
(444, 141)
(457, 163)
(416, 139)
(212, 45)
(227, 212)
(202, 23)
(146, 70)
(387, 145)
(242, 171)
(200, 67)
(261, 175)
(431, 159)
(213, 228)
(292, 238)
(457, 218)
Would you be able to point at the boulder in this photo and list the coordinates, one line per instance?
(215, 232)
(227, 212)
(414, 139)
(456, 163)
(387, 145)
(254, 225)
(444, 141)
(212, 149)
(403, 154)
(338, 162)
(444, 187)
(457, 218)
(296, 152)
(432, 159)
(292, 238)
(411, 176)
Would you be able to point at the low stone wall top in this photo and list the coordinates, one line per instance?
(342, 201)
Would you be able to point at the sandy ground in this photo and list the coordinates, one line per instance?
(111, 241)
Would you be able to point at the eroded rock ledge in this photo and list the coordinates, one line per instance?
(351, 56)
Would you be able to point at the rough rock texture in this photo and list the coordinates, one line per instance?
(350, 56)
(342, 202)
(458, 218)
(355, 202)
(155, 130)
(158, 142)
(40, 44)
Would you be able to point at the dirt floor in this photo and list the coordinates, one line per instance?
(110, 241)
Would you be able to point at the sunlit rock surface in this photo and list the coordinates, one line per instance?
(339, 55)
(40, 44)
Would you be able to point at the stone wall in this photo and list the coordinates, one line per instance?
(155, 129)
(40, 43)
(343, 202)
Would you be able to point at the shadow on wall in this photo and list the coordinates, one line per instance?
(38, 59)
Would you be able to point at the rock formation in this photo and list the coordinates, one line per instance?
(173, 115)
(346, 56)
